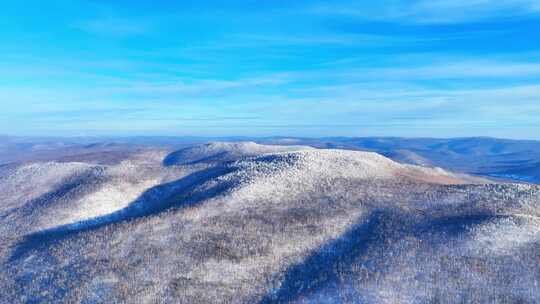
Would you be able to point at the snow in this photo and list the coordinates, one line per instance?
(505, 236)
(26, 182)
(250, 223)
(224, 151)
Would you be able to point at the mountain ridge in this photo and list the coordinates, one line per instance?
(274, 226)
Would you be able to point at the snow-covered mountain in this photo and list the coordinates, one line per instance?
(250, 223)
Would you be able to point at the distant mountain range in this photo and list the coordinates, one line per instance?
(503, 158)
(517, 160)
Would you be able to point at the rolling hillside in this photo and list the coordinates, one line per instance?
(248, 223)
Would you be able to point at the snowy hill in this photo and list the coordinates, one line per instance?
(223, 151)
(250, 223)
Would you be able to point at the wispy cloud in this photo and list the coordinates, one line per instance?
(337, 97)
(251, 40)
(119, 27)
(433, 11)
(199, 87)
(456, 70)
(338, 109)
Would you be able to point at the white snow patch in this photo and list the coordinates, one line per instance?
(219, 151)
(109, 199)
(505, 236)
(29, 181)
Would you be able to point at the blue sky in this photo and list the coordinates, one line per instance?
(261, 68)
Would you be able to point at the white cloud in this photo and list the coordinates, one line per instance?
(452, 70)
(434, 11)
(198, 87)
(114, 27)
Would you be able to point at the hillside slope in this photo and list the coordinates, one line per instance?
(510, 159)
(265, 224)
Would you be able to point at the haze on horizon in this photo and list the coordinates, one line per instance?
(259, 68)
